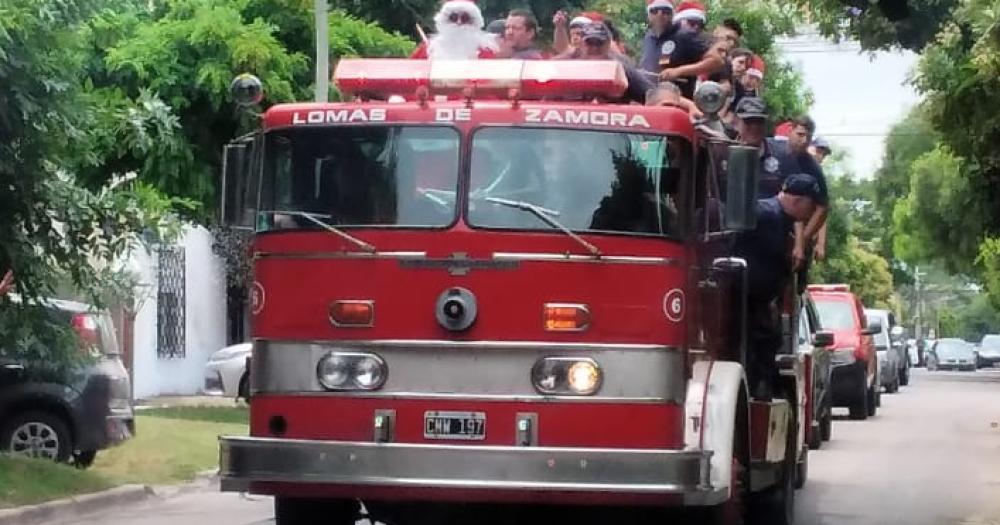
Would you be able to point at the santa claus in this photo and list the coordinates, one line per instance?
(460, 34)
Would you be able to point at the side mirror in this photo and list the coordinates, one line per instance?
(741, 188)
(234, 159)
(823, 339)
(874, 327)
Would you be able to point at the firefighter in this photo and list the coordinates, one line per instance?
(766, 250)
(597, 45)
(751, 124)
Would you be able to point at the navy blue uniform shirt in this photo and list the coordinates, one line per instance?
(765, 249)
(790, 163)
(685, 48)
(652, 49)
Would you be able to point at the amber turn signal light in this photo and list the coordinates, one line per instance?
(352, 314)
(563, 317)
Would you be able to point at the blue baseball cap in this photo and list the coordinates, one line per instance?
(821, 143)
(596, 31)
(801, 184)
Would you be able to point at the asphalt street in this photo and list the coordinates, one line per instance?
(930, 457)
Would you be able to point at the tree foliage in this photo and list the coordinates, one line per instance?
(51, 228)
(867, 23)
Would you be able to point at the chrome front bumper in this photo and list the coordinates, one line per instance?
(245, 460)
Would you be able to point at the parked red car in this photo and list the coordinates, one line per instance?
(854, 362)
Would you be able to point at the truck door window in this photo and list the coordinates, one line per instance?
(360, 176)
(588, 180)
(836, 315)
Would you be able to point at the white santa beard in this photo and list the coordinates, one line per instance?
(458, 42)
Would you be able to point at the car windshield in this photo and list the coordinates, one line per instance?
(836, 315)
(588, 181)
(359, 176)
(990, 342)
(952, 347)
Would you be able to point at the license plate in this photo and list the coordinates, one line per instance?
(454, 425)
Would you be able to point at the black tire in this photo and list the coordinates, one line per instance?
(859, 409)
(826, 425)
(816, 436)
(84, 459)
(892, 387)
(802, 469)
(304, 511)
(243, 392)
(48, 427)
(874, 400)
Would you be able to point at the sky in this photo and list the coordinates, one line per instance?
(857, 97)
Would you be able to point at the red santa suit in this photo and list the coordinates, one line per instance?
(460, 34)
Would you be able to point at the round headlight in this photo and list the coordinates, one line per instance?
(369, 372)
(584, 377)
(333, 371)
(710, 97)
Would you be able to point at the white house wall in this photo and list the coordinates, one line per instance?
(204, 320)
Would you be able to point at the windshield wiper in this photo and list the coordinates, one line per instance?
(546, 215)
(336, 231)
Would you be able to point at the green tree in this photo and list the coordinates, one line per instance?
(867, 22)
(907, 140)
(927, 221)
(52, 230)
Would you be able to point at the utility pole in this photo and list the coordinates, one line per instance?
(918, 332)
(322, 92)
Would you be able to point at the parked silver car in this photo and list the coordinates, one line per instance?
(892, 358)
(952, 353)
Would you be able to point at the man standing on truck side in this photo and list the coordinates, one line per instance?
(751, 124)
(793, 156)
(765, 249)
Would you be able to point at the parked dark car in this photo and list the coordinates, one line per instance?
(989, 351)
(72, 419)
(813, 344)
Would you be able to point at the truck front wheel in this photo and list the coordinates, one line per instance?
(303, 511)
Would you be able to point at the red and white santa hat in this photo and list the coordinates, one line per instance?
(783, 130)
(654, 4)
(757, 67)
(690, 10)
(460, 6)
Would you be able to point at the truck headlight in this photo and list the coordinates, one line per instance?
(580, 376)
(351, 371)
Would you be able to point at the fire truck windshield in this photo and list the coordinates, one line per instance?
(359, 176)
(588, 180)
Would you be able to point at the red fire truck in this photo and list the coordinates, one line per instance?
(488, 285)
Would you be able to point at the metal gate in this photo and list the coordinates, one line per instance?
(170, 303)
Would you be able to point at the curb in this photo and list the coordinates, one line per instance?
(65, 509)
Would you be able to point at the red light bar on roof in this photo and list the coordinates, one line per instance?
(382, 78)
(829, 287)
